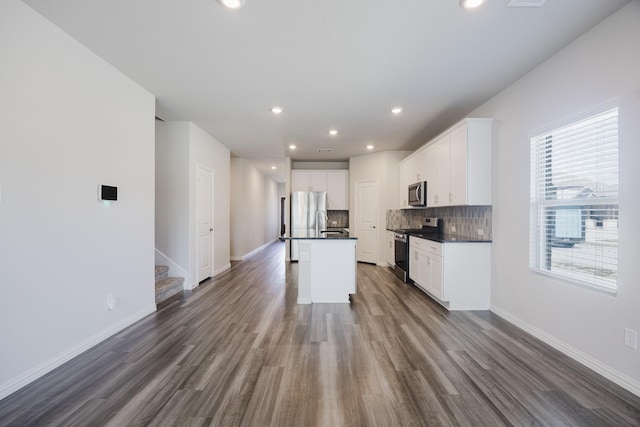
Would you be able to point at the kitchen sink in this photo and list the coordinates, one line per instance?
(332, 231)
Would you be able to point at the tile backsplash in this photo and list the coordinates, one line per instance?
(466, 219)
(340, 217)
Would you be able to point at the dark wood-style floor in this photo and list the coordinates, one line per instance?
(240, 351)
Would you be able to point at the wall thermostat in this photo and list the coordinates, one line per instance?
(107, 192)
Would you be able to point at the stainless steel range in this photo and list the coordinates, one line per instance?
(431, 227)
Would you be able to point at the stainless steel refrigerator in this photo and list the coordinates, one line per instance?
(307, 207)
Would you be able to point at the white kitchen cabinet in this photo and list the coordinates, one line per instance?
(456, 274)
(432, 173)
(300, 180)
(338, 190)
(391, 248)
(456, 166)
(308, 180)
(463, 158)
(405, 180)
(420, 162)
(412, 169)
(440, 184)
(317, 180)
(425, 265)
(334, 182)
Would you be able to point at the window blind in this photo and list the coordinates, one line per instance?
(574, 201)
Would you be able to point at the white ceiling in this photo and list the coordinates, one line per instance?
(328, 63)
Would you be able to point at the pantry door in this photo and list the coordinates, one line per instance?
(366, 200)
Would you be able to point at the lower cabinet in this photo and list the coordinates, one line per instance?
(391, 248)
(455, 274)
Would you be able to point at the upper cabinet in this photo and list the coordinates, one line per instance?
(412, 169)
(456, 166)
(334, 182)
(338, 190)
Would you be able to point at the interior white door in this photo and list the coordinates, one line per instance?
(366, 199)
(205, 223)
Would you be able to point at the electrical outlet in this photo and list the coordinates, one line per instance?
(631, 338)
(480, 232)
(334, 222)
(453, 228)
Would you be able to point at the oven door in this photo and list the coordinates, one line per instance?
(401, 257)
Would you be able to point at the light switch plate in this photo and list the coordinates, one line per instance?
(304, 256)
(631, 338)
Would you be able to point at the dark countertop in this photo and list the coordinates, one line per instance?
(449, 238)
(310, 233)
(452, 238)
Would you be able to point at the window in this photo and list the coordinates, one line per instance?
(574, 201)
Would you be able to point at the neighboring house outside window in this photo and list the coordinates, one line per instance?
(574, 201)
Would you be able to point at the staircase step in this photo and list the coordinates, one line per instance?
(162, 272)
(168, 287)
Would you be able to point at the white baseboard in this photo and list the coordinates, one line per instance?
(253, 252)
(174, 269)
(590, 362)
(38, 371)
(222, 269)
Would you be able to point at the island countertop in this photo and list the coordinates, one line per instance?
(310, 233)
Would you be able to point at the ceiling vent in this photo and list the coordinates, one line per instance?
(324, 150)
(525, 3)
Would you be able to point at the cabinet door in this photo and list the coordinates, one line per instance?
(414, 262)
(318, 180)
(434, 276)
(300, 180)
(443, 168)
(458, 166)
(420, 163)
(338, 190)
(405, 178)
(431, 174)
(391, 248)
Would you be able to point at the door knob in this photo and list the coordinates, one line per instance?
(211, 229)
(373, 226)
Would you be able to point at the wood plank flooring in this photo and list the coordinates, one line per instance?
(240, 351)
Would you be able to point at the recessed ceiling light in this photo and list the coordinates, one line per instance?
(396, 110)
(369, 147)
(232, 4)
(273, 167)
(292, 147)
(333, 132)
(276, 110)
(470, 4)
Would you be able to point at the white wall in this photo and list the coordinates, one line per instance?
(172, 195)
(384, 168)
(602, 65)
(68, 122)
(255, 207)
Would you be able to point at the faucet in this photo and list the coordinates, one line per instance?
(318, 222)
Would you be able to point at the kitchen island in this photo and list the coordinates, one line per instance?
(326, 265)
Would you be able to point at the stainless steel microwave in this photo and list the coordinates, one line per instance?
(418, 194)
